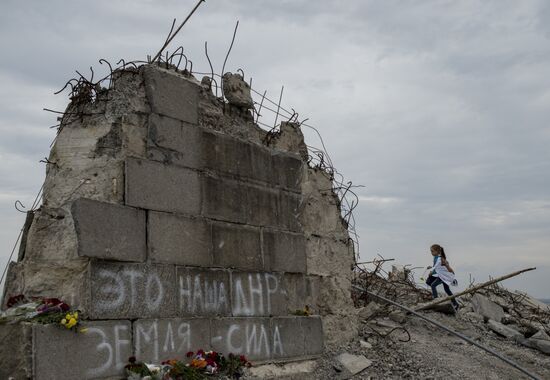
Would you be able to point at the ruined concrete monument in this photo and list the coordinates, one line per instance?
(173, 223)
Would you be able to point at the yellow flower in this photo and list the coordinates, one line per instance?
(71, 323)
(75, 314)
(63, 321)
(83, 330)
(68, 316)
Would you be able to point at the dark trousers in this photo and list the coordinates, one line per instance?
(434, 282)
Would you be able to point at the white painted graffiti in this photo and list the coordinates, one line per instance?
(202, 295)
(124, 288)
(252, 294)
(251, 339)
(114, 348)
(166, 339)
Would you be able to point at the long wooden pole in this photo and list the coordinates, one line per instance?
(472, 289)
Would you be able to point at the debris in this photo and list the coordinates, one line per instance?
(538, 344)
(445, 308)
(369, 311)
(237, 91)
(398, 316)
(484, 306)
(503, 330)
(365, 344)
(354, 363)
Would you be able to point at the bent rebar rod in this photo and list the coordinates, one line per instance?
(463, 337)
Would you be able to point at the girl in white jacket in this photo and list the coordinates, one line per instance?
(441, 273)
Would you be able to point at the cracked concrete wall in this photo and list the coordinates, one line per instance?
(218, 197)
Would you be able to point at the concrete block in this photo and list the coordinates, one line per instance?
(131, 291)
(312, 328)
(237, 91)
(226, 155)
(156, 340)
(154, 186)
(484, 306)
(171, 95)
(109, 231)
(290, 333)
(284, 252)
(290, 206)
(258, 294)
(176, 239)
(261, 164)
(287, 171)
(203, 292)
(224, 199)
(354, 363)
(101, 352)
(251, 337)
(262, 206)
(172, 141)
(301, 291)
(236, 246)
(505, 331)
(16, 351)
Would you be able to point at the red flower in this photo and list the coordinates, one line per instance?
(200, 352)
(63, 306)
(15, 300)
(242, 358)
(132, 359)
(189, 354)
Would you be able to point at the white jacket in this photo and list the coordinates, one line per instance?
(442, 272)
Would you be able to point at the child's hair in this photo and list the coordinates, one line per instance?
(439, 249)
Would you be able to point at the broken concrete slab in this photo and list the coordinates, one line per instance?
(236, 246)
(109, 231)
(505, 331)
(131, 291)
(538, 344)
(541, 335)
(203, 292)
(370, 311)
(283, 251)
(106, 347)
(444, 307)
(156, 340)
(237, 91)
(353, 363)
(303, 370)
(176, 239)
(171, 94)
(155, 186)
(487, 308)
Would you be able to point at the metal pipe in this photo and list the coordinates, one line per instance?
(463, 337)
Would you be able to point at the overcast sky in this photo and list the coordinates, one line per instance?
(440, 109)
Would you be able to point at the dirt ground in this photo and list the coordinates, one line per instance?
(432, 353)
